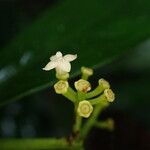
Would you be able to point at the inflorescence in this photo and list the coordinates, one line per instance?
(83, 97)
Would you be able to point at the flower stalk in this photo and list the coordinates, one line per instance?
(107, 124)
(103, 84)
(86, 72)
(62, 87)
(107, 96)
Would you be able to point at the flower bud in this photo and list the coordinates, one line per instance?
(107, 124)
(87, 71)
(84, 109)
(109, 94)
(61, 87)
(82, 85)
(63, 76)
(105, 84)
(110, 124)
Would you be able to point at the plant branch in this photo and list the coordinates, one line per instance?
(38, 144)
(91, 121)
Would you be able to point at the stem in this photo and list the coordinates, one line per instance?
(99, 100)
(78, 120)
(81, 96)
(38, 144)
(72, 91)
(71, 95)
(85, 76)
(91, 121)
(95, 92)
(78, 123)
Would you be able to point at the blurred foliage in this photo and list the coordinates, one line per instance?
(95, 30)
(130, 79)
(15, 15)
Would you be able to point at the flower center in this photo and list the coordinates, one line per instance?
(85, 109)
(61, 85)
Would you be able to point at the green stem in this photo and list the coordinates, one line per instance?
(81, 96)
(72, 91)
(38, 144)
(78, 123)
(99, 100)
(91, 121)
(85, 76)
(71, 95)
(95, 92)
(78, 120)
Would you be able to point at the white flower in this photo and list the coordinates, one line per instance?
(60, 63)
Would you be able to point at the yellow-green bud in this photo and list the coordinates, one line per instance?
(82, 85)
(109, 94)
(61, 87)
(64, 76)
(110, 124)
(87, 71)
(107, 124)
(84, 109)
(105, 84)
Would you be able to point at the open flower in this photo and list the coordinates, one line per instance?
(60, 63)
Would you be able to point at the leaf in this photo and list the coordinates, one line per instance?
(98, 31)
(133, 82)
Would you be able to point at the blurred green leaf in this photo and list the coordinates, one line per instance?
(98, 31)
(132, 87)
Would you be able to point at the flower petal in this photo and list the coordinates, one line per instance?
(64, 65)
(70, 57)
(50, 65)
(58, 54)
(55, 57)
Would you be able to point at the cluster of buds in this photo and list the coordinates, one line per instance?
(83, 98)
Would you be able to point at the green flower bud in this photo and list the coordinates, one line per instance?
(61, 87)
(64, 76)
(82, 85)
(110, 124)
(105, 84)
(109, 94)
(87, 71)
(84, 109)
(107, 124)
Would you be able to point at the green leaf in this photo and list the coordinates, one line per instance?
(98, 31)
(132, 86)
